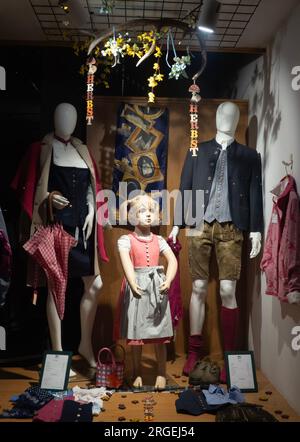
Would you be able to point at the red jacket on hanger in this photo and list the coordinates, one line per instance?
(281, 257)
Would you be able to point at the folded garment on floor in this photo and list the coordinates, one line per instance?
(93, 395)
(244, 413)
(27, 403)
(75, 412)
(54, 394)
(62, 394)
(194, 402)
(17, 413)
(34, 398)
(216, 395)
(52, 411)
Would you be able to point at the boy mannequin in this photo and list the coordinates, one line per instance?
(220, 214)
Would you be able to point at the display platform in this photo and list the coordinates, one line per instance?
(14, 380)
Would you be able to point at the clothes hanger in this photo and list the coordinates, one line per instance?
(283, 182)
(288, 164)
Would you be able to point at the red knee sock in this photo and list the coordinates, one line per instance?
(229, 326)
(195, 352)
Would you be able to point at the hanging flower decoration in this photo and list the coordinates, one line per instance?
(117, 47)
(134, 51)
(151, 97)
(180, 63)
(154, 80)
(148, 40)
(107, 6)
(192, 20)
(179, 66)
(158, 52)
(144, 45)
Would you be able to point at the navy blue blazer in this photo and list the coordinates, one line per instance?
(244, 184)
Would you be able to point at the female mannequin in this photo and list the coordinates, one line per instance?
(64, 164)
(227, 118)
(65, 155)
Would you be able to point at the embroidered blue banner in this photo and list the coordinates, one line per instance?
(141, 149)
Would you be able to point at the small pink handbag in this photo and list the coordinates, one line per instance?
(111, 372)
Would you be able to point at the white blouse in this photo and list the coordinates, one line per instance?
(67, 156)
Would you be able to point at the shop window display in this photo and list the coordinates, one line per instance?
(129, 79)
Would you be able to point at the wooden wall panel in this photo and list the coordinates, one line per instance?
(101, 140)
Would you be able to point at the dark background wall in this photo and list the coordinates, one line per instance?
(39, 78)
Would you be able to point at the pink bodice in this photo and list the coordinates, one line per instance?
(144, 252)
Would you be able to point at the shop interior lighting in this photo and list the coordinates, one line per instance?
(208, 16)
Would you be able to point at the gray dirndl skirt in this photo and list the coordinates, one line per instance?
(148, 317)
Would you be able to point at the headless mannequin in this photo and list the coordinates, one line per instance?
(65, 118)
(227, 118)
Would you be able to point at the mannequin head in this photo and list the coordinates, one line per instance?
(227, 118)
(65, 119)
(143, 211)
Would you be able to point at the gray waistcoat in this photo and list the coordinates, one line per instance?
(218, 206)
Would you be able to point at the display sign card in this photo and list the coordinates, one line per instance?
(55, 370)
(240, 370)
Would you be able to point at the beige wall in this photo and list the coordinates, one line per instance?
(274, 110)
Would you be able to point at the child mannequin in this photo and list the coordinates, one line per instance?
(145, 310)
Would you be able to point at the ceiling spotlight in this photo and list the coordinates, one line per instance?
(208, 16)
(63, 4)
